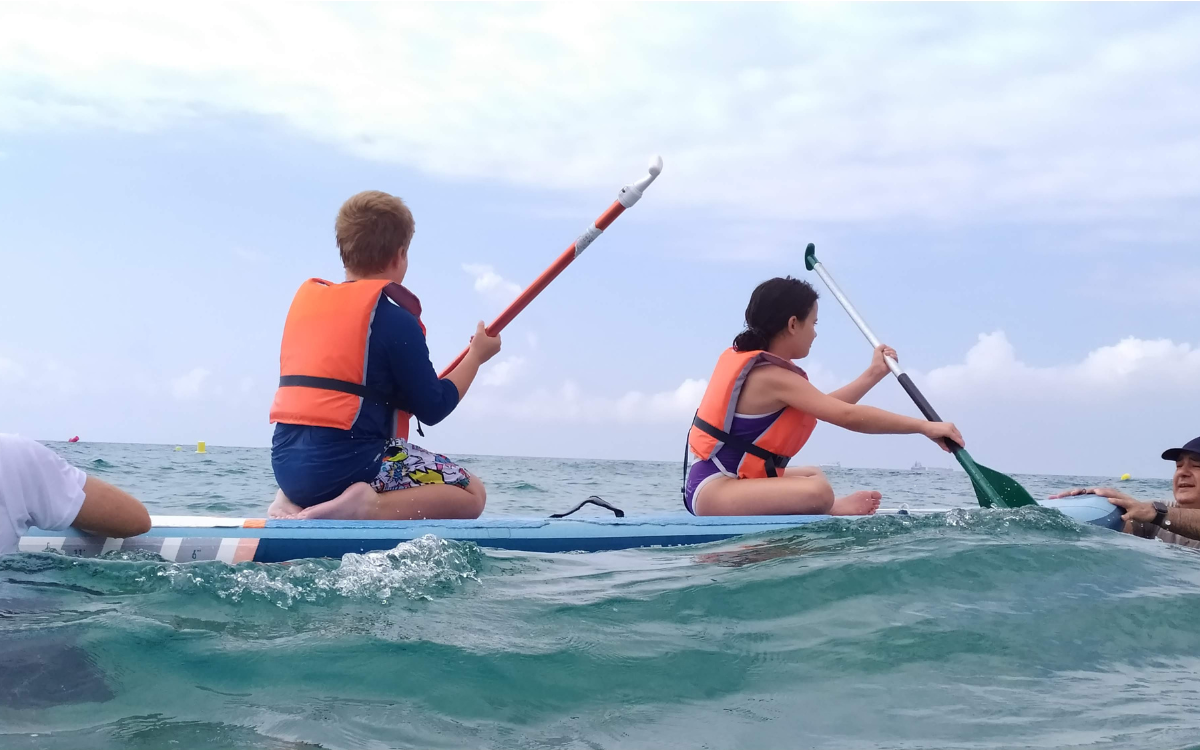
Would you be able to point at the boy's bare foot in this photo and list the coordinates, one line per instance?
(861, 503)
(282, 507)
(355, 504)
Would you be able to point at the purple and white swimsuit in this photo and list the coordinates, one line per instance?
(725, 462)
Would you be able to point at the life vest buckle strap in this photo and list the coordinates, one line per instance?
(772, 461)
(340, 386)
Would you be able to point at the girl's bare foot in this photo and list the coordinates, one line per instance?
(861, 503)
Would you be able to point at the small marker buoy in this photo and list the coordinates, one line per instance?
(178, 448)
(74, 439)
(1125, 477)
(200, 448)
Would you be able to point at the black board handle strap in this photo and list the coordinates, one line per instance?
(593, 500)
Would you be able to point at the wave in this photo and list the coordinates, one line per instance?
(966, 629)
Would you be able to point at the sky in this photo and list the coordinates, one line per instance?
(1008, 193)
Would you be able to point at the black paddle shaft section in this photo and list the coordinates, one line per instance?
(922, 404)
(918, 398)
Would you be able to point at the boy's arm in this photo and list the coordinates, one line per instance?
(431, 400)
(483, 347)
(464, 373)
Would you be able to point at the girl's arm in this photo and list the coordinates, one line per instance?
(853, 392)
(797, 392)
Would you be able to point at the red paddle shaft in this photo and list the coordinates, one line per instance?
(629, 195)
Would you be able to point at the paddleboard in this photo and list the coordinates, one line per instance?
(235, 540)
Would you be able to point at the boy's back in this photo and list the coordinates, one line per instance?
(315, 463)
(354, 366)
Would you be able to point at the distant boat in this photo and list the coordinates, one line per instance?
(834, 465)
(917, 467)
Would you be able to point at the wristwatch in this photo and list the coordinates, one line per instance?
(1160, 514)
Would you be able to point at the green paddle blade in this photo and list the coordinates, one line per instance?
(1011, 493)
(991, 487)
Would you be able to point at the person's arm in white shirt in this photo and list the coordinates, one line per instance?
(110, 511)
(39, 488)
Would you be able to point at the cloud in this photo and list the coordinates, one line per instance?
(10, 371)
(187, 387)
(822, 377)
(502, 372)
(569, 403)
(790, 111)
(1172, 286)
(667, 406)
(990, 372)
(991, 367)
(38, 374)
(491, 284)
(248, 255)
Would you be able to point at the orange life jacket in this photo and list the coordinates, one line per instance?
(323, 358)
(710, 429)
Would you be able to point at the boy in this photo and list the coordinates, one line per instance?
(353, 367)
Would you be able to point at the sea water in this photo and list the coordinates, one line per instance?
(970, 629)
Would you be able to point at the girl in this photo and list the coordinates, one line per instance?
(759, 410)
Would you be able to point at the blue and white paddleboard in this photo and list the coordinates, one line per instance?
(234, 540)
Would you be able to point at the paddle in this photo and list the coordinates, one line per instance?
(629, 195)
(991, 487)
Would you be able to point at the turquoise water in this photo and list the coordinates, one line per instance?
(973, 629)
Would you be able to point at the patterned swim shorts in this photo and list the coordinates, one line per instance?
(406, 465)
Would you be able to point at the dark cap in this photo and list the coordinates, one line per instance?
(1191, 446)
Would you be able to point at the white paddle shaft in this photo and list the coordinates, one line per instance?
(892, 364)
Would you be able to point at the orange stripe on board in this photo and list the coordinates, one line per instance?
(254, 523)
(245, 550)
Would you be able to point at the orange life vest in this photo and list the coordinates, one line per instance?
(710, 429)
(323, 358)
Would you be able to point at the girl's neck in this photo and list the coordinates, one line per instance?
(779, 349)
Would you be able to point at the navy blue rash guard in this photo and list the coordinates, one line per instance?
(315, 464)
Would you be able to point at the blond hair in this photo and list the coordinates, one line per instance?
(372, 228)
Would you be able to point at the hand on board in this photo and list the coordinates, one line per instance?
(483, 346)
(1108, 492)
(879, 367)
(1135, 510)
(940, 432)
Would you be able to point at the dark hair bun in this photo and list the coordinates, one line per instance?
(774, 303)
(750, 340)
